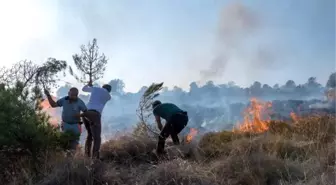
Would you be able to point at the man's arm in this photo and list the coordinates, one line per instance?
(108, 98)
(88, 87)
(158, 122)
(52, 103)
(82, 108)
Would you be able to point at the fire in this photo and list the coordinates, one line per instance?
(192, 133)
(253, 117)
(50, 111)
(294, 116)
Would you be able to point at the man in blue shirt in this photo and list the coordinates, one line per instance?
(176, 120)
(92, 118)
(72, 107)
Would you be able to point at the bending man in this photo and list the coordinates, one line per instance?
(72, 107)
(92, 118)
(176, 120)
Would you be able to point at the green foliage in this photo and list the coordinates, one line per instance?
(90, 63)
(47, 73)
(29, 78)
(25, 134)
(145, 105)
(144, 110)
(331, 83)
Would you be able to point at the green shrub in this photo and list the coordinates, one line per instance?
(26, 137)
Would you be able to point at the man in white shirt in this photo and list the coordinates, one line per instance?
(92, 117)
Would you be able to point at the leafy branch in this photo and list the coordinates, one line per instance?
(144, 110)
(27, 77)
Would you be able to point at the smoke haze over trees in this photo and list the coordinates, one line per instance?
(213, 106)
(210, 106)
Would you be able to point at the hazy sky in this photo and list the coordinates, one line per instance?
(178, 41)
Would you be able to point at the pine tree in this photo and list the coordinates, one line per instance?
(90, 62)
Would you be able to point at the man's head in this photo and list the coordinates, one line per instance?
(156, 103)
(73, 93)
(107, 87)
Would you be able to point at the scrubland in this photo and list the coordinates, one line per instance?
(300, 152)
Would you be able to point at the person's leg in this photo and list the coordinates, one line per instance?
(175, 138)
(178, 121)
(166, 131)
(88, 141)
(72, 129)
(77, 129)
(96, 134)
(181, 123)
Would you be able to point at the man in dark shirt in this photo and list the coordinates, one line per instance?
(176, 120)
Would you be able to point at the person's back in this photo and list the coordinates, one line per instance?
(176, 121)
(166, 110)
(92, 118)
(98, 98)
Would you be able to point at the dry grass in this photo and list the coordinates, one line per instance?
(128, 149)
(289, 153)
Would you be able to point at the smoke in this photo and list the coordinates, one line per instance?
(239, 41)
(210, 107)
(236, 24)
(320, 106)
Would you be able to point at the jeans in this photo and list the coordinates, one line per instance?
(92, 122)
(172, 128)
(74, 128)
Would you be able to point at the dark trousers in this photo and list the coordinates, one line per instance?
(172, 128)
(92, 122)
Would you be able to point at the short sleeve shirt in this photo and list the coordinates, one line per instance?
(70, 110)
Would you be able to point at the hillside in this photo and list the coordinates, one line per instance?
(301, 151)
(304, 154)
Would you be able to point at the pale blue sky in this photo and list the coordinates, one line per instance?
(174, 40)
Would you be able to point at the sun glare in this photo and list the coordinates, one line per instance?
(21, 22)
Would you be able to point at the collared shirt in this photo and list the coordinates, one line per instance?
(71, 109)
(99, 97)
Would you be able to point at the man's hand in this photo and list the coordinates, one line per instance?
(90, 83)
(78, 115)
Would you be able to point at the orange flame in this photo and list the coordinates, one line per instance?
(253, 121)
(50, 111)
(192, 133)
(294, 116)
